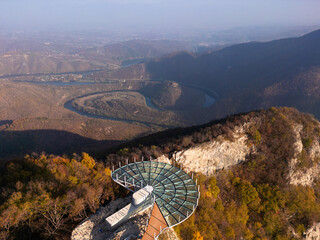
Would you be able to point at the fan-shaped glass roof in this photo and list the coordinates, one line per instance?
(175, 192)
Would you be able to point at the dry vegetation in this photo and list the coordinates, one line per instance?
(45, 196)
(126, 105)
(252, 200)
(30, 111)
(246, 76)
(38, 119)
(174, 96)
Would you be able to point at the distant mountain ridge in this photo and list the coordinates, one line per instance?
(240, 66)
(37, 58)
(140, 48)
(240, 74)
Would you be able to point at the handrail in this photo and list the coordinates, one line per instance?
(194, 209)
(128, 186)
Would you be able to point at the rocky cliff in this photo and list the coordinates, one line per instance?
(255, 170)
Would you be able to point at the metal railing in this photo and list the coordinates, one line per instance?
(129, 185)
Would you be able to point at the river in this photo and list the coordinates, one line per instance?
(209, 99)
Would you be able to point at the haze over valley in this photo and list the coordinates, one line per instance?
(228, 92)
(144, 86)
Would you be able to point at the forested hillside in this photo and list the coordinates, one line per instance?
(271, 194)
(242, 67)
(43, 197)
(245, 76)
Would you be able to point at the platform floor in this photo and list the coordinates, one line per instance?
(156, 222)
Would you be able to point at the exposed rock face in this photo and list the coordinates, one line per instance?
(164, 159)
(169, 233)
(94, 227)
(305, 176)
(313, 233)
(221, 153)
(131, 229)
(295, 177)
(225, 152)
(314, 151)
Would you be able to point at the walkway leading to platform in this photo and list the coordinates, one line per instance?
(156, 224)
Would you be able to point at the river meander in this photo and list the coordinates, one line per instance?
(209, 99)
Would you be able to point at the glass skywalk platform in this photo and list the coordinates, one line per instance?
(175, 192)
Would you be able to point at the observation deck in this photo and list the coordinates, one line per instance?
(173, 194)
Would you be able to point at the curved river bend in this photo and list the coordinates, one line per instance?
(209, 100)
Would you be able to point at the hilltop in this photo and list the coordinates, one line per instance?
(258, 174)
(139, 49)
(247, 66)
(261, 167)
(245, 76)
(35, 57)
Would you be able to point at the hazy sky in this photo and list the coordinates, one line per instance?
(155, 14)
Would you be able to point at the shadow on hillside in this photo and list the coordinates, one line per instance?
(4, 122)
(16, 144)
